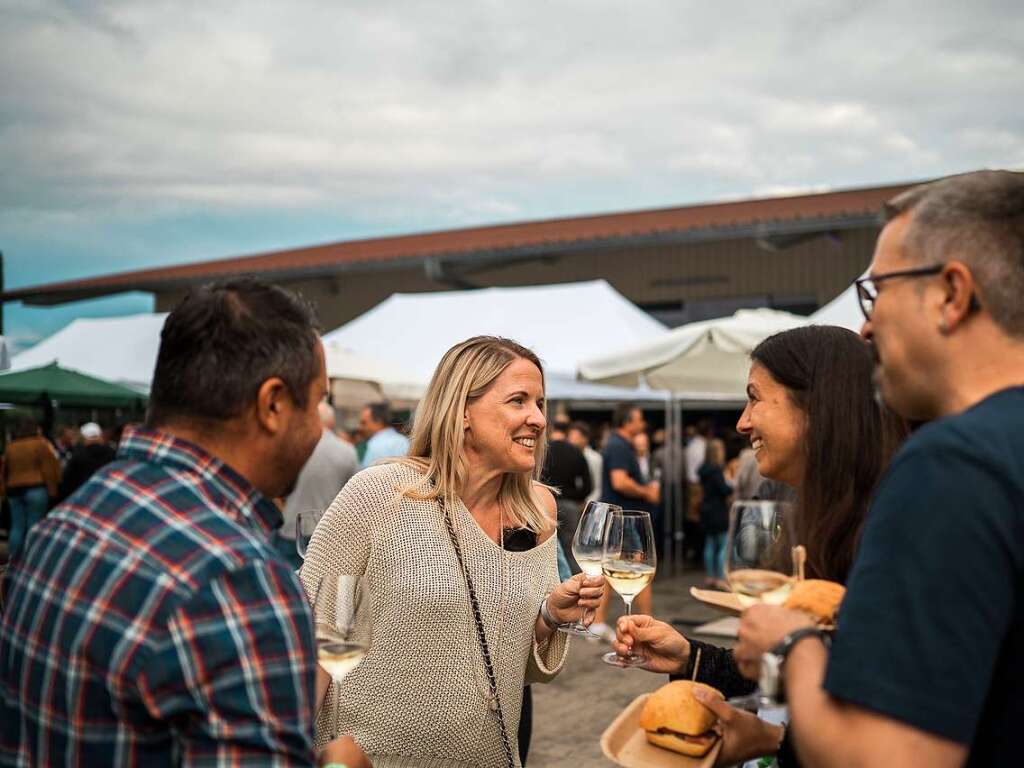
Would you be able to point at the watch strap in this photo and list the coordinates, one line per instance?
(787, 643)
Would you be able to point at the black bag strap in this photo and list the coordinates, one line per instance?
(482, 637)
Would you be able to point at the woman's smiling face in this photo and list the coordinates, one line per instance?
(504, 424)
(776, 427)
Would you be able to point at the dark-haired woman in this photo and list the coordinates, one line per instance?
(816, 427)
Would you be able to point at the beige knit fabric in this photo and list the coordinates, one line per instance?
(418, 697)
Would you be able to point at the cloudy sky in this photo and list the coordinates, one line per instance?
(141, 133)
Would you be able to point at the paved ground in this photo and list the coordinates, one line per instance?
(571, 713)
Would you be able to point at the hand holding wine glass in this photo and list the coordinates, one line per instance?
(588, 549)
(628, 563)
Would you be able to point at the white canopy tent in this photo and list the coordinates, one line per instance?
(561, 323)
(120, 349)
(124, 350)
(711, 356)
(843, 310)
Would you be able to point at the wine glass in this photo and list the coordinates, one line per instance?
(588, 549)
(305, 523)
(762, 563)
(628, 563)
(759, 563)
(341, 613)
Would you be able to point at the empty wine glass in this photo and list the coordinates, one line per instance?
(341, 612)
(305, 523)
(588, 549)
(628, 563)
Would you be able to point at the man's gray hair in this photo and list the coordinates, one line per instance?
(976, 218)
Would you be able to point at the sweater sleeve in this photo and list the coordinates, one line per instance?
(717, 669)
(340, 546)
(546, 659)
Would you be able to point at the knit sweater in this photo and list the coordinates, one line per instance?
(418, 698)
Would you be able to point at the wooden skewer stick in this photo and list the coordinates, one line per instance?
(799, 560)
(696, 666)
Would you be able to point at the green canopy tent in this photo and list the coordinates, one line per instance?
(51, 386)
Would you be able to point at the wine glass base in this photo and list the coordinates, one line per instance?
(622, 661)
(581, 630)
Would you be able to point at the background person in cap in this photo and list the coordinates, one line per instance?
(91, 454)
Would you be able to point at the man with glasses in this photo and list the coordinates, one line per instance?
(926, 666)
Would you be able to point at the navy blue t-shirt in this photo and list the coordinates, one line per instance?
(931, 632)
(618, 453)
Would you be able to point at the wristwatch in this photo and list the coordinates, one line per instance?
(773, 660)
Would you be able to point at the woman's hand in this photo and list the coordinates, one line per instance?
(745, 736)
(343, 750)
(573, 598)
(662, 647)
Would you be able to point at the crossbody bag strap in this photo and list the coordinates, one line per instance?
(481, 636)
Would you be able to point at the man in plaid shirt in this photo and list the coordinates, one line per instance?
(148, 619)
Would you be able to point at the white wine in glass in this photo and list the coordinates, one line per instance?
(629, 564)
(759, 563)
(588, 549)
(760, 567)
(341, 614)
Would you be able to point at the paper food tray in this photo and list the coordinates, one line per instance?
(624, 743)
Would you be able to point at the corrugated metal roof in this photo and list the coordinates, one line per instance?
(551, 235)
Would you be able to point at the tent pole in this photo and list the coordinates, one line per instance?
(667, 491)
(678, 508)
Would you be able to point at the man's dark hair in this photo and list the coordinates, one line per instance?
(583, 428)
(976, 218)
(223, 341)
(380, 413)
(622, 414)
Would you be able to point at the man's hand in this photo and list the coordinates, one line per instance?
(744, 735)
(344, 750)
(662, 647)
(762, 627)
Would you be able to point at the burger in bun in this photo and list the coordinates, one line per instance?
(818, 598)
(673, 719)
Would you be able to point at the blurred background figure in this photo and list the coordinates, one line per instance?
(579, 435)
(566, 469)
(331, 465)
(31, 476)
(664, 476)
(622, 483)
(382, 439)
(65, 442)
(93, 453)
(714, 512)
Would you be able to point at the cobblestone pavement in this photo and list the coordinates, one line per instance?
(571, 713)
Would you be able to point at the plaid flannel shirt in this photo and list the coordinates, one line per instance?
(150, 622)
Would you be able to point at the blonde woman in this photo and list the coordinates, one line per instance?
(460, 520)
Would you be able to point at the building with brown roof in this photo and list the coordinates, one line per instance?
(681, 264)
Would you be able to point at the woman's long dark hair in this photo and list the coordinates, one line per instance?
(848, 442)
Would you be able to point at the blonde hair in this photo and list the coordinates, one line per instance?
(437, 438)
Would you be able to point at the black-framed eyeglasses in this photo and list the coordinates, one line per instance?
(867, 287)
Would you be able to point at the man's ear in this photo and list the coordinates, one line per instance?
(273, 404)
(959, 295)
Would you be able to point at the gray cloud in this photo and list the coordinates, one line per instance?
(411, 112)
